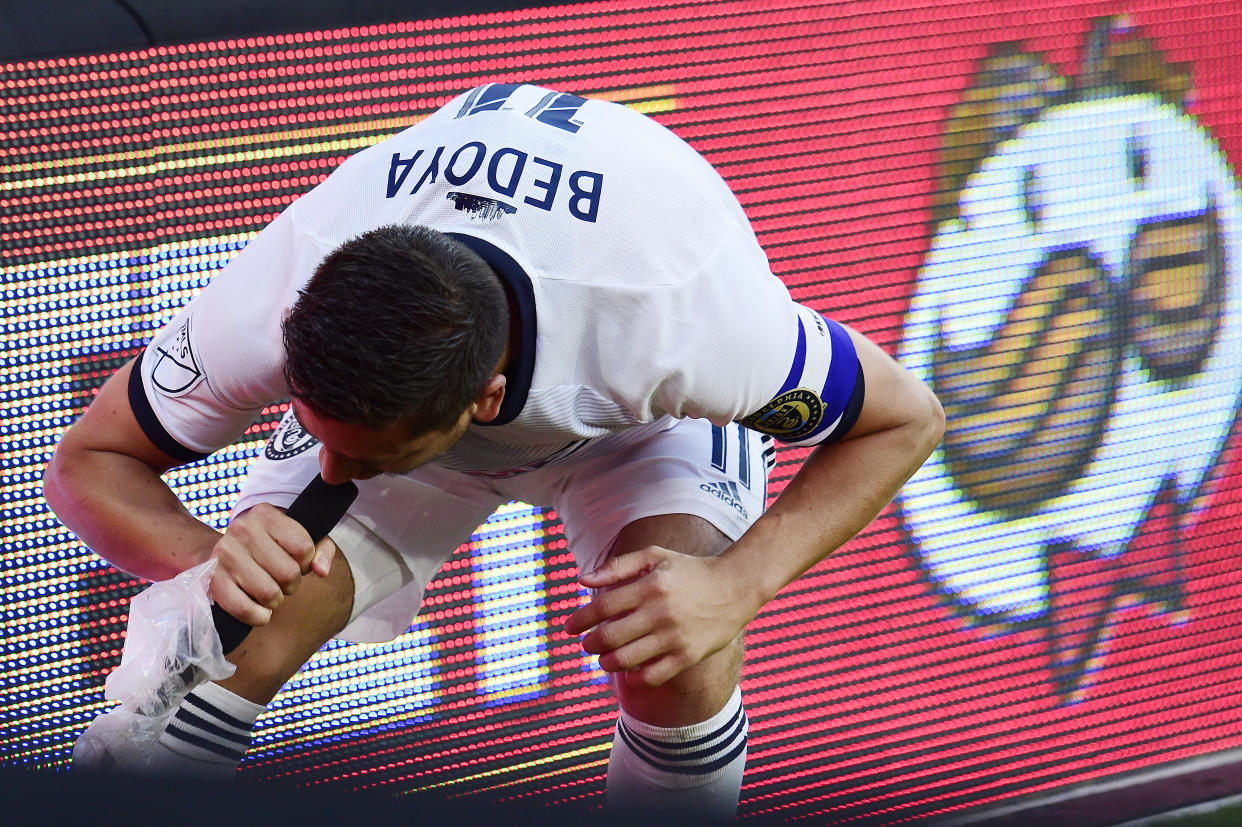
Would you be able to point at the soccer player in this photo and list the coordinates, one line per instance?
(528, 295)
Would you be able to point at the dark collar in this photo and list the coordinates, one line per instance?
(521, 364)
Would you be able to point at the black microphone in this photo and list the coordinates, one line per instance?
(317, 509)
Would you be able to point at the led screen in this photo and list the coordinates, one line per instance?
(1035, 209)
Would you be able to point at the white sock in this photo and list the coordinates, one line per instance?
(696, 769)
(208, 735)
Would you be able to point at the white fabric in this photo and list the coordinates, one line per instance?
(206, 751)
(402, 529)
(652, 293)
(693, 770)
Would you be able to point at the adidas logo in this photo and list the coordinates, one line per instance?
(727, 493)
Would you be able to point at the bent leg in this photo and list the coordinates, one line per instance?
(306, 620)
(211, 729)
(690, 487)
(702, 690)
(680, 746)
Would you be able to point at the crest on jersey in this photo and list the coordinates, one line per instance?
(289, 440)
(177, 371)
(792, 415)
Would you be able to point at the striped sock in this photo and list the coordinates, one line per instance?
(694, 769)
(208, 735)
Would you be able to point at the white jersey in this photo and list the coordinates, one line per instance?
(643, 293)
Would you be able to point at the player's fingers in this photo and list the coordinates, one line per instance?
(275, 562)
(289, 535)
(260, 585)
(604, 605)
(620, 568)
(656, 672)
(234, 600)
(259, 568)
(259, 535)
(634, 653)
(616, 633)
(325, 551)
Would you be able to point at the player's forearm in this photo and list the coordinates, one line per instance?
(124, 511)
(838, 491)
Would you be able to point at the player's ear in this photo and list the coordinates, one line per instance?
(487, 405)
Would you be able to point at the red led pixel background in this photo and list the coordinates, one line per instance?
(875, 693)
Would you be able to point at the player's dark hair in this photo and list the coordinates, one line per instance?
(399, 324)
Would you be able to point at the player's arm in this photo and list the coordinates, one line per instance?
(104, 482)
(675, 610)
(844, 484)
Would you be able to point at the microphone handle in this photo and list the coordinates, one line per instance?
(318, 509)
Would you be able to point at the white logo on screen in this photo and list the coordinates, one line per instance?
(1121, 210)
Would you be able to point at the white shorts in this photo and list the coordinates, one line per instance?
(402, 529)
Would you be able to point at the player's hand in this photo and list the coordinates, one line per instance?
(656, 613)
(261, 559)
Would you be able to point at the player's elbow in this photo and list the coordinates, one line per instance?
(52, 480)
(924, 419)
(69, 476)
(927, 420)
(59, 479)
(933, 419)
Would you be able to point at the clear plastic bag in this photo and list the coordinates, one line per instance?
(171, 646)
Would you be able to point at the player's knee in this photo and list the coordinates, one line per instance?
(271, 654)
(691, 696)
(723, 669)
(684, 533)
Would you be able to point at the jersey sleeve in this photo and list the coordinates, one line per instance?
(208, 373)
(775, 366)
(822, 394)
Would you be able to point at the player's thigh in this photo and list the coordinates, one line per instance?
(304, 621)
(715, 474)
(693, 489)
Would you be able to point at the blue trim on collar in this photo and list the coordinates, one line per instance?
(521, 364)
